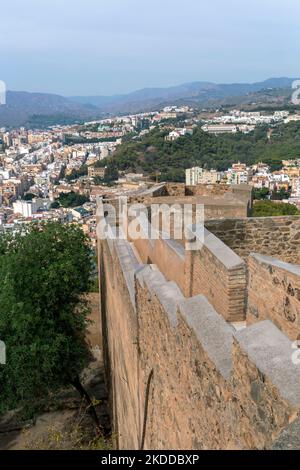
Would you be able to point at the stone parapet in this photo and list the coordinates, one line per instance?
(179, 373)
(274, 293)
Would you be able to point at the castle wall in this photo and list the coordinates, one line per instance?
(208, 190)
(274, 293)
(169, 258)
(182, 414)
(94, 330)
(178, 371)
(204, 395)
(180, 376)
(224, 211)
(119, 325)
(212, 209)
(175, 189)
(242, 192)
(213, 270)
(218, 273)
(273, 236)
(167, 255)
(265, 385)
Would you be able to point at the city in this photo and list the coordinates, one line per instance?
(40, 167)
(149, 232)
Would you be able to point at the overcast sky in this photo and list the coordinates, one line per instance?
(106, 47)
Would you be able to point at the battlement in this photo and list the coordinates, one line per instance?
(199, 344)
(272, 236)
(220, 201)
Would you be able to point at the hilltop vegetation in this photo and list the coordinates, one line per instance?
(273, 209)
(153, 153)
(72, 199)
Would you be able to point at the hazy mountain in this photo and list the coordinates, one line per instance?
(37, 109)
(22, 107)
(146, 94)
(201, 92)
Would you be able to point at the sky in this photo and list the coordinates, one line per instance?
(105, 47)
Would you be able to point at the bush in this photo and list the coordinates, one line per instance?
(269, 208)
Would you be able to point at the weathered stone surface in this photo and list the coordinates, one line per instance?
(273, 236)
(176, 366)
(218, 273)
(271, 351)
(289, 438)
(212, 331)
(273, 293)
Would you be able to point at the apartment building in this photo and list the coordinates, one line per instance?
(193, 175)
(96, 172)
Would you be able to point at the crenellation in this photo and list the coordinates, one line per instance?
(212, 329)
(270, 350)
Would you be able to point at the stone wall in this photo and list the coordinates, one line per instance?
(206, 392)
(175, 189)
(218, 273)
(167, 255)
(178, 370)
(210, 208)
(120, 350)
(266, 384)
(94, 331)
(243, 192)
(274, 293)
(272, 236)
(208, 190)
(159, 190)
(224, 211)
(182, 414)
(180, 375)
(213, 270)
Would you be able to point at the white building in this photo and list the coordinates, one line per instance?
(210, 177)
(193, 176)
(237, 177)
(173, 135)
(220, 129)
(296, 188)
(281, 178)
(4, 175)
(25, 208)
(28, 208)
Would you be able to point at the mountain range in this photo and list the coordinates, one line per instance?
(42, 109)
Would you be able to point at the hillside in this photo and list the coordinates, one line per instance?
(44, 109)
(153, 153)
(196, 93)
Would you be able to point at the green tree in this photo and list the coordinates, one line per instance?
(72, 199)
(111, 173)
(281, 194)
(98, 181)
(44, 275)
(55, 205)
(269, 208)
(75, 174)
(29, 197)
(262, 193)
